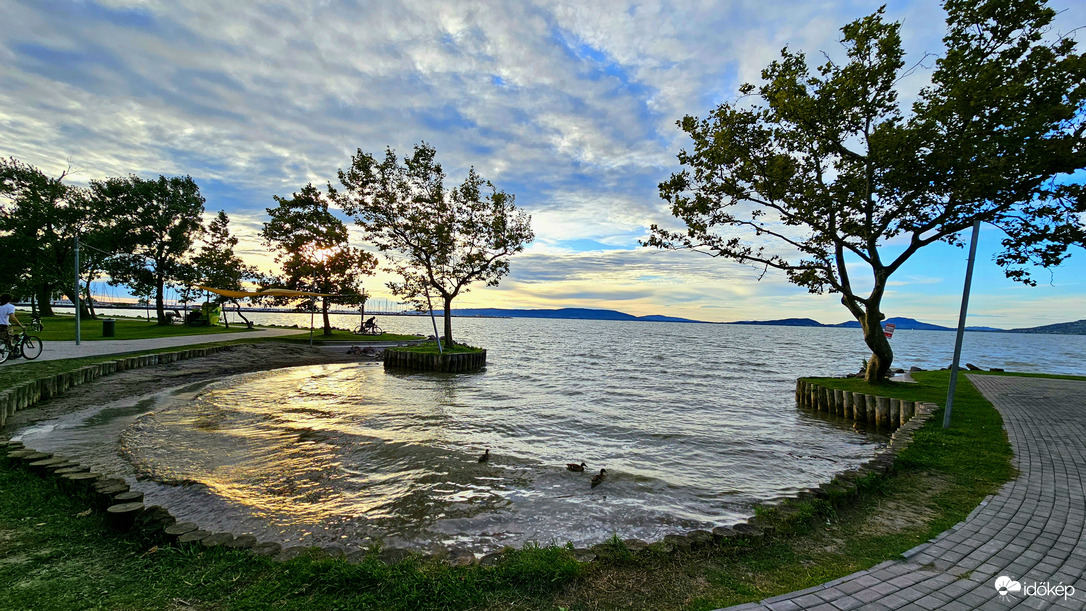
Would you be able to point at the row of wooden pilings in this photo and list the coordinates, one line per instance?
(453, 363)
(882, 412)
(25, 394)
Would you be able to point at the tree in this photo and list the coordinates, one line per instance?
(434, 238)
(160, 220)
(216, 264)
(824, 169)
(313, 249)
(39, 220)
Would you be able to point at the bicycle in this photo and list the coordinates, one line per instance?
(27, 346)
(368, 330)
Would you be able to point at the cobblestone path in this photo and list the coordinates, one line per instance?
(1031, 531)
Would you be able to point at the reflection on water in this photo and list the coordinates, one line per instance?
(694, 424)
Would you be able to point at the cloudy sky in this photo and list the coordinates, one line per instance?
(571, 106)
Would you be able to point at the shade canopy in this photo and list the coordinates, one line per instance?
(264, 293)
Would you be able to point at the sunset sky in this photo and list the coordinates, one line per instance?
(571, 106)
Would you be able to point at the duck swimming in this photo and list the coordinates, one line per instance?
(485, 456)
(598, 479)
(572, 466)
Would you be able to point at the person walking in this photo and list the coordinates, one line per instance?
(7, 314)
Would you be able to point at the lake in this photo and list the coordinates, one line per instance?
(695, 423)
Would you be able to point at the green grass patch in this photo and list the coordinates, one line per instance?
(341, 335)
(56, 558)
(22, 371)
(62, 328)
(431, 348)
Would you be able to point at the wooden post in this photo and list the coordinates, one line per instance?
(846, 404)
(907, 411)
(895, 413)
(882, 412)
(870, 401)
(123, 516)
(838, 401)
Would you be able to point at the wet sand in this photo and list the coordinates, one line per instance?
(134, 382)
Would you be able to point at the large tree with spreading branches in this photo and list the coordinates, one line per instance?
(312, 248)
(437, 240)
(40, 217)
(816, 169)
(160, 220)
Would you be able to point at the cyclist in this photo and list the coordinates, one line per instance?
(370, 326)
(7, 314)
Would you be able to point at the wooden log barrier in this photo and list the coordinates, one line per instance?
(123, 516)
(451, 363)
(882, 412)
(907, 411)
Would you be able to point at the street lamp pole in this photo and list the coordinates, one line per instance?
(76, 298)
(961, 327)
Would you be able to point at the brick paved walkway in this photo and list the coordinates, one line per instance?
(1030, 531)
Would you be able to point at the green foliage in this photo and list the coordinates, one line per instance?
(39, 219)
(817, 168)
(216, 264)
(160, 220)
(313, 250)
(436, 239)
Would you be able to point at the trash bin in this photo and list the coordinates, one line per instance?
(109, 327)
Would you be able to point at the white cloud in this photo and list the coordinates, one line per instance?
(569, 105)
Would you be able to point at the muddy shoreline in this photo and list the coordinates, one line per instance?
(233, 360)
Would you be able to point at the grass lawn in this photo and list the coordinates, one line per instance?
(340, 335)
(54, 559)
(431, 348)
(62, 328)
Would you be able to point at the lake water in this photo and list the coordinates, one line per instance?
(694, 423)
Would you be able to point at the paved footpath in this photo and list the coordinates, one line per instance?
(1031, 531)
(53, 350)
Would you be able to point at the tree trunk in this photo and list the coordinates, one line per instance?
(88, 302)
(324, 315)
(237, 306)
(882, 355)
(83, 311)
(448, 320)
(160, 305)
(45, 305)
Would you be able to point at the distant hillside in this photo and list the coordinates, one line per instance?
(784, 322)
(900, 323)
(567, 313)
(1064, 328)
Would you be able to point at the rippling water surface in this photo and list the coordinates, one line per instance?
(693, 422)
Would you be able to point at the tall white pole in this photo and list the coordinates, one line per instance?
(961, 327)
(78, 336)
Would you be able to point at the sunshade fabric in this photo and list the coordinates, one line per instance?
(264, 293)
